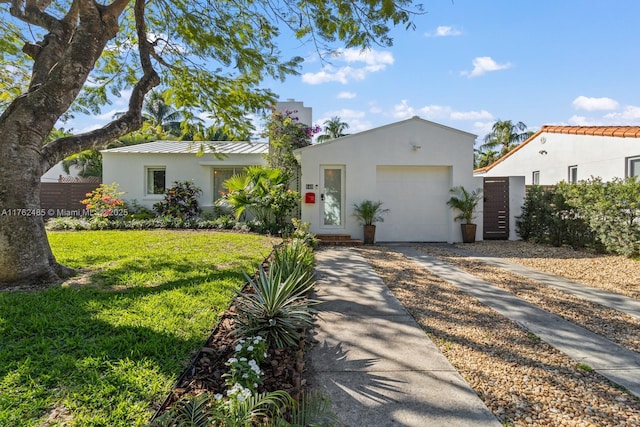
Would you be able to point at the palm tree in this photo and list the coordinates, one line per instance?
(333, 128)
(161, 115)
(89, 162)
(505, 136)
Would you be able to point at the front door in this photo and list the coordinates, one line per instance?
(332, 196)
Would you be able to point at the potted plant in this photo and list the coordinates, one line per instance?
(466, 202)
(368, 213)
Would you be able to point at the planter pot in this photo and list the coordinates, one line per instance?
(369, 234)
(468, 233)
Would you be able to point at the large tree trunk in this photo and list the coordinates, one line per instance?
(25, 255)
(61, 66)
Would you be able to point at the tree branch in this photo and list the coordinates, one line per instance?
(130, 121)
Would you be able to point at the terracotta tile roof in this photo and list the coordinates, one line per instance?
(619, 131)
(615, 131)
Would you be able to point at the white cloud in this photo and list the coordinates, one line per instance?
(630, 113)
(444, 31)
(108, 116)
(483, 65)
(594, 104)
(346, 95)
(437, 112)
(364, 62)
(356, 119)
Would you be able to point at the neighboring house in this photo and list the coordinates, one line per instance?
(145, 171)
(410, 166)
(572, 153)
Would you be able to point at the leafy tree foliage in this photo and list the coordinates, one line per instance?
(333, 128)
(61, 57)
(286, 133)
(504, 137)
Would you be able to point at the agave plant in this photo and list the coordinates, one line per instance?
(295, 258)
(278, 309)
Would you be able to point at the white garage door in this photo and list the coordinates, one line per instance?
(417, 198)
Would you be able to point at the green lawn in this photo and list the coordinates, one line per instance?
(103, 350)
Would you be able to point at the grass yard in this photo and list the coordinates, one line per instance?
(105, 347)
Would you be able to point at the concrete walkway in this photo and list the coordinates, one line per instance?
(611, 360)
(372, 359)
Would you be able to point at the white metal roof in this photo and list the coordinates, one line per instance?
(192, 147)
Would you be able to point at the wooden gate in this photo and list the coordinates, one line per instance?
(496, 209)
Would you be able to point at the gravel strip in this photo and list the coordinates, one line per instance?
(612, 324)
(524, 381)
(611, 272)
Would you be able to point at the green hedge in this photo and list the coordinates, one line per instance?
(592, 213)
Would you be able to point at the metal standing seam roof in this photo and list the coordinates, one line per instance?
(193, 147)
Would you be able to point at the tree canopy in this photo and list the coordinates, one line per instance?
(63, 57)
(504, 137)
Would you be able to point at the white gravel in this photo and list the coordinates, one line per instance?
(523, 380)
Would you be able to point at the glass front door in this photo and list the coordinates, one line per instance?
(332, 196)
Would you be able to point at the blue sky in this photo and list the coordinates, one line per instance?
(469, 63)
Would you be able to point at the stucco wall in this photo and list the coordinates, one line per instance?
(128, 170)
(413, 142)
(552, 154)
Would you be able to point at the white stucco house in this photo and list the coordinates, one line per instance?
(145, 171)
(409, 165)
(572, 153)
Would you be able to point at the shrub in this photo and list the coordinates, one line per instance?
(602, 215)
(262, 192)
(105, 201)
(180, 201)
(277, 310)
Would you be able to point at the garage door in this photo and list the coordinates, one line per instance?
(417, 198)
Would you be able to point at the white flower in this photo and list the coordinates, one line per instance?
(245, 376)
(232, 360)
(250, 348)
(217, 396)
(238, 347)
(243, 359)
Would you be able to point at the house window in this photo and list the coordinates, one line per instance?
(633, 166)
(535, 178)
(573, 174)
(220, 175)
(156, 180)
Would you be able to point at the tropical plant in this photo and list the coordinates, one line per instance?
(504, 137)
(369, 212)
(313, 409)
(64, 57)
(104, 201)
(301, 233)
(161, 116)
(464, 201)
(294, 259)
(277, 309)
(285, 134)
(89, 162)
(263, 192)
(180, 201)
(333, 128)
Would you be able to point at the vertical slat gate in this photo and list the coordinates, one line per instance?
(496, 208)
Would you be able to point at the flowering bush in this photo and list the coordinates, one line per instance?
(286, 133)
(105, 201)
(244, 374)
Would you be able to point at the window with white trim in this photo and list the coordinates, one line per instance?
(156, 178)
(633, 166)
(573, 174)
(535, 178)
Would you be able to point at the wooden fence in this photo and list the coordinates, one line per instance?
(63, 198)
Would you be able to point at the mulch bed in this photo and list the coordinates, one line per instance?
(283, 368)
